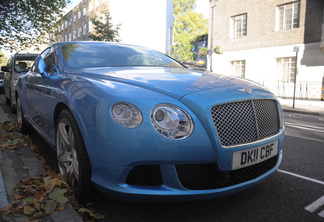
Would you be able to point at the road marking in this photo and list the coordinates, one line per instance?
(321, 214)
(302, 177)
(315, 205)
(305, 127)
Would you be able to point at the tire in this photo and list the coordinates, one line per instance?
(72, 157)
(25, 128)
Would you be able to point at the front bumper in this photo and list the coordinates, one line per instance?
(177, 183)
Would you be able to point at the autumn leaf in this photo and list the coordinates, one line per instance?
(28, 210)
(96, 216)
(17, 196)
(58, 195)
(49, 206)
(27, 200)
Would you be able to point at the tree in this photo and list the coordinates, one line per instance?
(187, 25)
(3, 59)
(24, 23)
(104, 30)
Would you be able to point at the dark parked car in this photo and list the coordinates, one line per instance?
(1, 82)
(17, 65)
(138, 126)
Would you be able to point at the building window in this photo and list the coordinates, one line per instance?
(70, 36)
(238, 68)
(84, 11)
(62, 26)
(62, 39)
(238, 26)
(74, 34)
(59, 28)
(70, 21)
(80, 14)
(286, 69)
(90, 6)
(74, 18)
(79, 32)
(288, 16)
(84, 29)
(66, 38)
(66, 24)
(90, 26)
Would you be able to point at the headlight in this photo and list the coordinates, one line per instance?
(171, 121)
(126, 115)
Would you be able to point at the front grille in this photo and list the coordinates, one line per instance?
(145, 175)
(245, 121)
(207, 176)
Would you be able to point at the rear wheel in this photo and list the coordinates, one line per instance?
(72, 157)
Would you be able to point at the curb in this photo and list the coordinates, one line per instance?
(12, 171)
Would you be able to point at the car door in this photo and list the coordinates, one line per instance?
(39, 92)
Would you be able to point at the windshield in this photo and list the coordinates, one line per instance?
(23, 63)
(85, 55)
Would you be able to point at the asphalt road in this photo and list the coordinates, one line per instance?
(294, 193)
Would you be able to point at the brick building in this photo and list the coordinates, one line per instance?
(140, 25)
(77, 25)
(258, 39)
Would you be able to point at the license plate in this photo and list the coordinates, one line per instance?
(255, 155)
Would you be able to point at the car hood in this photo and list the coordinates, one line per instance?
(174, 82)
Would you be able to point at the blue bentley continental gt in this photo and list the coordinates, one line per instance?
(136, 125)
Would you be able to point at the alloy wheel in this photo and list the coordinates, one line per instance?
(66, 153)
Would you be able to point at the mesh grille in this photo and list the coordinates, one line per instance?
(266, 112)
(207, 176)
(145, 175)
(245, 121)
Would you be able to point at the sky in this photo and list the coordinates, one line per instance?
(202, 6)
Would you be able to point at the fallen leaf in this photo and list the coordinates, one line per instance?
(96, 216)
(28, 210)
(17, 196)
(27, 200)
(58, 195)
(49, 206)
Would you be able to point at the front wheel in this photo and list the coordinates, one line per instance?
(72, 157)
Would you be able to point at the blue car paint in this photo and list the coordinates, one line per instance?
(89, 93)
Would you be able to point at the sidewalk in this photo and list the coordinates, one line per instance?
(309, 107)
(12, 171)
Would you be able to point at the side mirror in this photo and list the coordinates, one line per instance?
(41, 67)
(5, 68)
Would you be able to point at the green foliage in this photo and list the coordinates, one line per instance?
(3, 59)
(28, 22)
(187, 25)
(105, 31)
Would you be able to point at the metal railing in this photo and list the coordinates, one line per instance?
(304, 90)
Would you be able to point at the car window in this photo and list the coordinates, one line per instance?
(22, 63)
(48, 56)
(112, 55)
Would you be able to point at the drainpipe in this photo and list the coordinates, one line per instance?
(211, 35)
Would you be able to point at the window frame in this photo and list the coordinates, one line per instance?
(287, 75)
(237, 31)
(238, 63)
(286, 22)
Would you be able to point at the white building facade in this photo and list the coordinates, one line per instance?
(259, 37)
